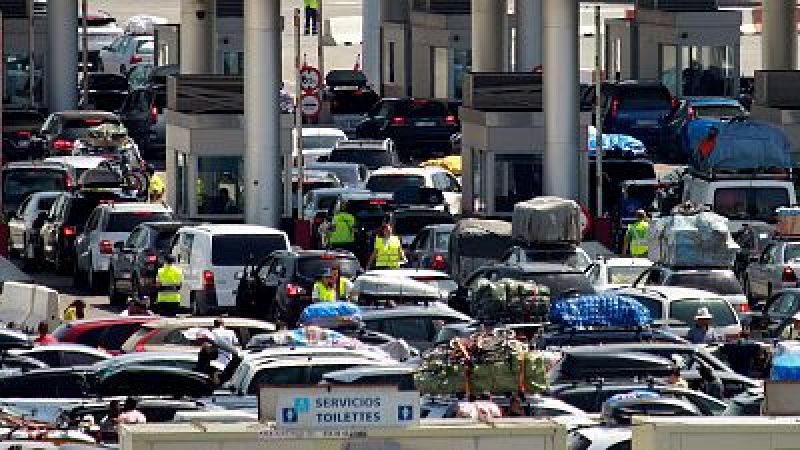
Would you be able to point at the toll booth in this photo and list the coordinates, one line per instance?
(206, 145)
(694, 53)
(503, 143)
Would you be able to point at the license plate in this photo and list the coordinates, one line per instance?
(425, 124)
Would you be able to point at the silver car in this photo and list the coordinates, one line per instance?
(775, 269)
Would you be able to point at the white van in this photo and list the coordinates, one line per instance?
(210, 256)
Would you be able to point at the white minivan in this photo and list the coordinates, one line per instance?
(210, 256)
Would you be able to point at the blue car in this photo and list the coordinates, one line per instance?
(636, 109)
(694, 113)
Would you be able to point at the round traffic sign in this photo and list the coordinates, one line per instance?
(310, 79)
(310, 105)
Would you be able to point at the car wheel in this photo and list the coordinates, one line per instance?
(114, 296)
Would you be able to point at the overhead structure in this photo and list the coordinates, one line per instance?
(528, 49)
(779, 35)
(561, 105)
(371, 42)
(62, 54)
(488, 18)
(197, 36)
(262, 82)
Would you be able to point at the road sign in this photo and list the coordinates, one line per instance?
(310, 105)
(310, 79)
(320, 408)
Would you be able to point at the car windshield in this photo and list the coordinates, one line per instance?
(373, 159)
(442, 241)
(792, 253)
(624, 275)
(120, 222)
(18, 184)
(237, 250)
(644, 98)
(394, 183)
(750, 203)
(717, 111)
(320, 141)
(345, 174)
(324, 202)
(45, 203)
(685, 310)
(314, 267)
(576, 260)
(562, 283)
(722, 283)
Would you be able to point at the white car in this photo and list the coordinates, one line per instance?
(349, 174)
(211, 255)
(126, 52)
(600, 438)
(410, 282)
(102, 31)
(318, 142)
(677, 306)
(108, 224)
(80, 163)
(614, 273)
(722, 282)
(392, 179)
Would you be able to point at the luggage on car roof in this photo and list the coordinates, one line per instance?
(546, 220)
(476, 242)
(509, 301)
(695, 240)
(606, 309)
(741, 145)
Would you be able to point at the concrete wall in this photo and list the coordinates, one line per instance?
(396, 34)
(429, 32)
(729, 433)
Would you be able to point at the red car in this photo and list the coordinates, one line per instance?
(108, 334)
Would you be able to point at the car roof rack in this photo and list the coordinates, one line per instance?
(770, 173)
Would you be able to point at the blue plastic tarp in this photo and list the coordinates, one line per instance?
(328, 313)
(606, 310)
(740, 145)
(616, 142)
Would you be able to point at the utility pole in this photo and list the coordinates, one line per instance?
(31, 64)
(598, 108)
(320, 43)
(298, 119)
(85, 52)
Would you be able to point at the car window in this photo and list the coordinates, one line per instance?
(18, 184)
(116, 335)
(279, 376)
(237, 250)
(52, 358)
(394, 183)
(656, 307)
(126, 221)
(685, 310)
(133, 238)
(752, 203)
(442, 241)
(654, 278)
(313, 267)
(722, 283)
(373, 159)
(422, 241)
(90, 337)
(791, 254)
(785, 305)
(624, 275)
(176, 337)
(717, 111)
(409, 328)
(80, 359)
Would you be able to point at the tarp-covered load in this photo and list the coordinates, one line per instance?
(331, 314)
(599, 310)
(740, 145)
(482, 363)
(546, 220)
(697, 240)
(475, 243)
(616, 143)
(510, 300)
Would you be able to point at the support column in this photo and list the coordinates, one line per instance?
(262, 82)
(779, 35)
(561, 105)
(197, 36)
(528, 47)
(487, 35)
(62, 54)
(371, 43)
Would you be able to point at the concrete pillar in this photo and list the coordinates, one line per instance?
(561, 105)
(528, 47)
(371, 43)
(779, 35)
(262, 81)
(62, 54)
(197, 36)
(487, 35)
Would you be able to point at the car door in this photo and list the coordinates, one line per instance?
(182, 252)
(46, 232)
(125, 256)
(83, 242)
(270, 277)
(16, 225)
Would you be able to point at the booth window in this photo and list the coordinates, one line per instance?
(181, 193)
(232, 63)
(517, 178)
(462, 64)
(220, 185)
(478, 204)
(391, 62)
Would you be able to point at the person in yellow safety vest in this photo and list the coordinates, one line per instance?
(156, 186)
(325, 289)
(388, 250)
(312, 16)
(637, 235)
(342, 234)
(168, 282)
(75, 311)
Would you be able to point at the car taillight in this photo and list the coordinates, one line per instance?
(153, 114)
(318, 220)
(438, 263)
(24, 134)
(450, 120)
(788, 275)
(399, 121)
(208, 279)
(106, 247)
(614, 107)
(743, 308)
(62, 144)
(377, 202)
(293, 290)
(136, 59)
(675, 102)
(151, 259)
(691, 113)
(70, 231)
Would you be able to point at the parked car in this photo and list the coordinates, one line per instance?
(636, 108)
(168, 334)
(211, 255)
(108, 334)
(421, 128)
(21, 179)
(19, 127)
(722, 282)
(418, 325)
(279, 286)
(429, 249)
(142, 112)
(711, 110)
(394, 179)
(614, 273)
(61, 129)
(352, 176)
(126, 52)
(319, 142)
(106, 225)
(774, 270)
(373, 154)
(24, 225)
(135, 261)
(64, 223)
(106, 92)
(64, 355)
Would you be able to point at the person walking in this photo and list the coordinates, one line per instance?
(702, 332)
(342, 234)
(311, 8)
(388, 250)
(226, 341)
(168, 282)
(636, 237)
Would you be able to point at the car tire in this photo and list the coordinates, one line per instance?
(114, 296)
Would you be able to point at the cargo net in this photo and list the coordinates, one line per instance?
(510, 301)
(483, 362)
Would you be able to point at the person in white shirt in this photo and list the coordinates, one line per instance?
(226, 341)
